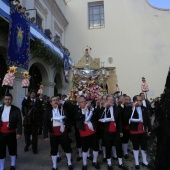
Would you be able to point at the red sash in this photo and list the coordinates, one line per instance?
(86, 132)
(57, 131)
(4, 128)
(112, 126)
(140, 129)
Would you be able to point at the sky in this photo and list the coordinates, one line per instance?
(160, 3)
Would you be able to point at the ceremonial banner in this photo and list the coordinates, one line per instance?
(18, 40)
(66, 67)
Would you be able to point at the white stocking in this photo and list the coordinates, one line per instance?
(69, 158)
(125, 148)
(80, 152)
(109, 161)
(144, 157)
(84, 158)
(95, 155)
(2, 163)
(13, 159)
(136, 156)
(114, 151)
(54, 160)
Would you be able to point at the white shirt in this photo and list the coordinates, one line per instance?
(112, 113)
(56, 112)
(58, 119)
(33, 100)
(5, 114)
(106, 119)
(144, 103)
(139, 111)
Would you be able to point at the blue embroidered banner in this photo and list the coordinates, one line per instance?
(18, 40)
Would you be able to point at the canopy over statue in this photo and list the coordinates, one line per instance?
(89, 77)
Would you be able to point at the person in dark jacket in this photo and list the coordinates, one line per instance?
(125, 125)
(10, 130)
(111, 119)
(55, 123)
(86, 121)
(32, 110)
(147, 104)
(140, 127)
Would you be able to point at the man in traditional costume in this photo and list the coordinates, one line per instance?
(10, 130)
(86, 121)
(111, 119)
(140, 127)
(55, 122)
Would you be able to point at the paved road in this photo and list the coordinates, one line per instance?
(42, 160)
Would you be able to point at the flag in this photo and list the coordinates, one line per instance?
(19, 39)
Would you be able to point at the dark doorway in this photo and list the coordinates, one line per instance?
(58, 85)
(3, 71)
(36, 78)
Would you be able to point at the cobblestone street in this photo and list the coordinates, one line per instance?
(42, 160)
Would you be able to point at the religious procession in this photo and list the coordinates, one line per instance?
(114, 125)
(59, 114)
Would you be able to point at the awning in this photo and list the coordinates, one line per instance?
(34, 31)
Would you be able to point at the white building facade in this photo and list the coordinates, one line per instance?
(132, 33)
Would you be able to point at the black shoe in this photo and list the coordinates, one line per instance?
(137, 166)
(148, 166)
(12, 168)
(126, 156)
(114, 158)
(26, 148)
(84, 167)
(35, 151)
(90, 158)
(104, 159)
(109, 167)
(54, 168)
(79, 158)
(96, 165)
(70, 167)
(122, 167)
(58, 159)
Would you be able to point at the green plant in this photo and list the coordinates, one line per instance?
(40, 50)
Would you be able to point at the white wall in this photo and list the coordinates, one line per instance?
(135, 35)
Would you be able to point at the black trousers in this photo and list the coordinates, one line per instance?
(62, 140)
(102, 135)
(126, 136)
(90, 142)
(41, 123)
(112, 139)
(77, 137)
(8, 140)
(139, 140)
(28, 131)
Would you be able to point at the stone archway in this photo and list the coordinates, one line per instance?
(58, 85)
(38, 75)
